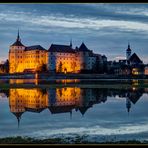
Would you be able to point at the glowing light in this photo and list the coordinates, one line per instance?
(133, 88)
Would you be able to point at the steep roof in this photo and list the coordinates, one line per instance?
(135, 97)
(134, 57)
(83, 47)
(35, 47)
(60, 48)
(18, 114)
(18, 41)
(83, 109)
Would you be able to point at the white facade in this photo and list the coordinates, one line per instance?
(62, 58)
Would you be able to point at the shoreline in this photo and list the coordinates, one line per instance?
(72, 76)
(81, 85)
(60, 141)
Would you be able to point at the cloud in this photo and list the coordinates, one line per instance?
(120, 57)
(104, 27)
(93, 23)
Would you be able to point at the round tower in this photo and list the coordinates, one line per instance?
(16, 53)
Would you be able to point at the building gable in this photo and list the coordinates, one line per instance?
(134, 59)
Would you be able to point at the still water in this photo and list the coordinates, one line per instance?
(98, 113)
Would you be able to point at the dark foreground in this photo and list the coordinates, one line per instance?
(78, 140)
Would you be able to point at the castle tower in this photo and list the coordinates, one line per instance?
(16, 54)
(128, 52)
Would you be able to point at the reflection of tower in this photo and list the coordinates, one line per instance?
(128, 104)
(71, 114)
(18, 116)
(21, 100)
(83, 109)
(71, 43)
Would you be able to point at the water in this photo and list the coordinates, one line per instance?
(101, 114)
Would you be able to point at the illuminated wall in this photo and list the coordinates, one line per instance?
(72, 62)
(63, 62)
(146, 71)
(20, 59)
(135, 71)
(34, 59)
(16, 59)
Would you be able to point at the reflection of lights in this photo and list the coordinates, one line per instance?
(68, 81)
(135, 82)
(133, 88)
(36, 75)
(135, 71)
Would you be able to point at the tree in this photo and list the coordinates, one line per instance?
(42, 68)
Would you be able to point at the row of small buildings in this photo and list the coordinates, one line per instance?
(66, 59)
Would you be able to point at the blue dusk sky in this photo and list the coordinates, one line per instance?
(104, 28)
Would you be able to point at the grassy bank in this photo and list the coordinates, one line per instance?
(78, 140)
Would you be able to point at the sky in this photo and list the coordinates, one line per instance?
(104, 28)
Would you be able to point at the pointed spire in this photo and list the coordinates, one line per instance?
(18, 121)
(18, 36)
(128, 45)
(71, 114)
(128, 105)
(71, 43)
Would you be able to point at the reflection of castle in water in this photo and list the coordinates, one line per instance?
(65, 99)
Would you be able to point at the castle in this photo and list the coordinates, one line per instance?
(23, 58)
(58, 58)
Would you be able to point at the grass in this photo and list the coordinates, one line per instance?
(78, 140)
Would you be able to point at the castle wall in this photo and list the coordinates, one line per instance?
(63, 62)
(16, 59)
(21, 60)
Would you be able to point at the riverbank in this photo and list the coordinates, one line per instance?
(80, 85)
(77, 140)
(54, 76)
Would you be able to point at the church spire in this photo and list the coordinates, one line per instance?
(18, 36)
(128, 52)
(128, 45)
(128, 105)
(71, 43)
(18, 121)
(71, 114)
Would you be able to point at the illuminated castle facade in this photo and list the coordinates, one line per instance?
(58, 58)
(23, 58)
